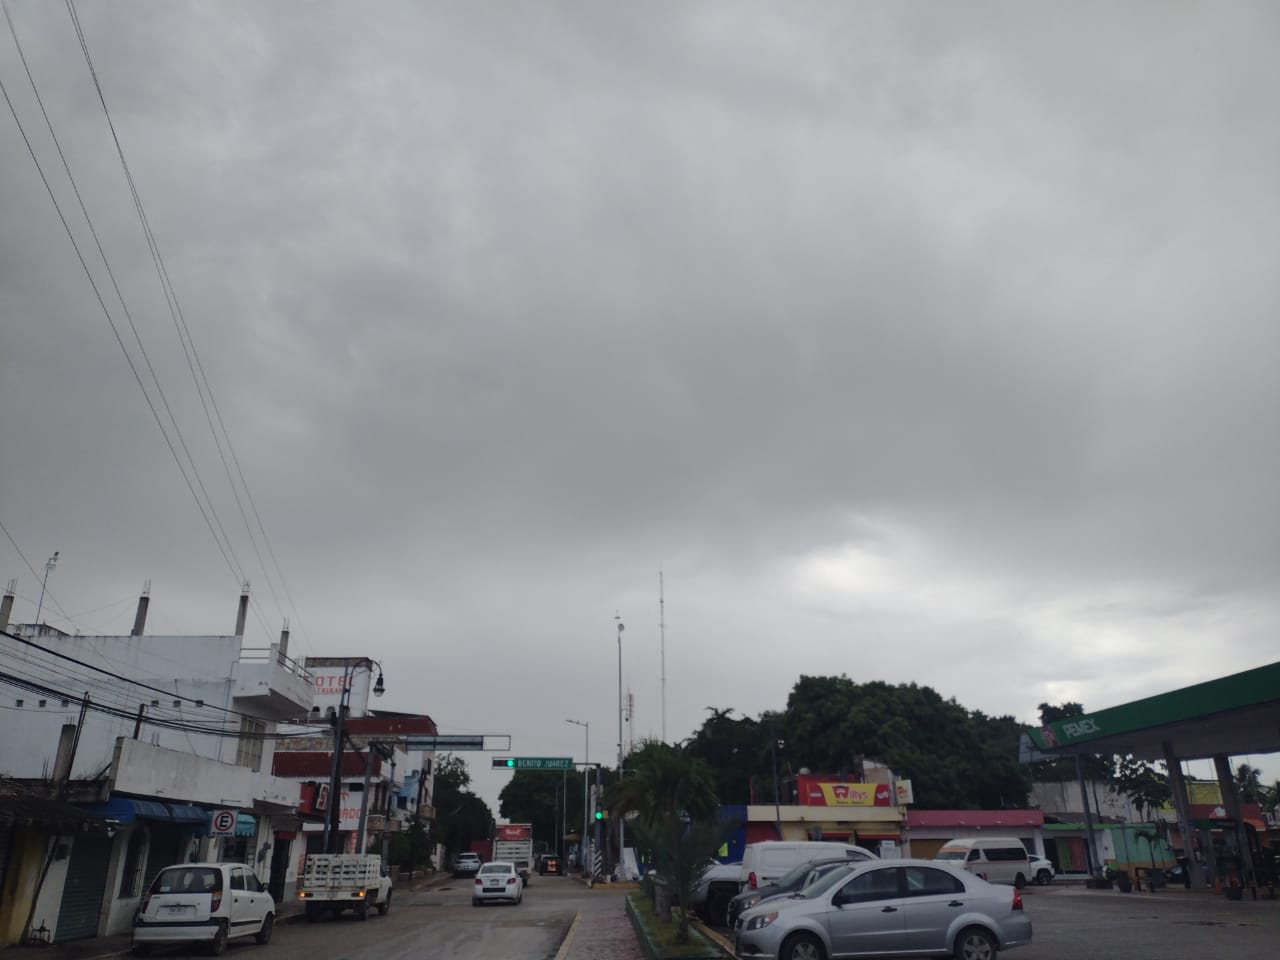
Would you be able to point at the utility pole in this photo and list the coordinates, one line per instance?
(621, 627)
(662, 643)
(586, 770)
(777, 803)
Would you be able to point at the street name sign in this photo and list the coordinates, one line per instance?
(533, 763)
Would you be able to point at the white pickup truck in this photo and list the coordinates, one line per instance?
(333, 882)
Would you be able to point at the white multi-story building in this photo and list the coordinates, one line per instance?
(149, 736)
(397, 777)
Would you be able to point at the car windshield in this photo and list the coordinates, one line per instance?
(188, 880)
(823, 883)
(495, 868)
(793, 876)
(952, 853)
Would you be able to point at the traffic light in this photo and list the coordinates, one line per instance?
(596, 813)
(504, 763)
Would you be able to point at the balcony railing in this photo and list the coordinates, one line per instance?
(264, 655)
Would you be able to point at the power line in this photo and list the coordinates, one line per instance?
(137, 683)
(192, 355)
(57, 606)
(235, 567)
(78, 699)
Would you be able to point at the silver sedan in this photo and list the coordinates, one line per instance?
(887, 908)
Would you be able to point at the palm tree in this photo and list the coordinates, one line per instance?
(671, 797)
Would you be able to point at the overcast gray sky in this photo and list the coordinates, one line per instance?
(915, 342)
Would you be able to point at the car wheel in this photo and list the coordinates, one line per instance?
(263, 936)
(1043, 878)
(362, 911)
(975, 944)
(218, 946)
(801, 946)
(718, 909)
(385, 905)
(1020, 881)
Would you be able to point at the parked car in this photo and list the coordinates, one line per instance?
(549, 863)
(799, 878)
(998, 859)
(1042, 871)
(861, 911)
(207, 903)
(466, 864)
(497, 880)
(767, 860)
(715, 888)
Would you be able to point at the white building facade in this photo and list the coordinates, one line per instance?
(150, 736)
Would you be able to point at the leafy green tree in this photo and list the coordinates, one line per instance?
(537, 796)
(673, 795)
(1271, 797)
(1249, 784)
(954, 759)
(412, 848)
(736, 750)
(1095, 767)
(1145, 786)
(461, 816)
(451, 771)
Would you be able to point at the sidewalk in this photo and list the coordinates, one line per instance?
(119, 945)
(603, 934)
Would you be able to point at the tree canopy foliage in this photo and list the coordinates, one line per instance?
(461, 816)
(954, 757)
(675, 816)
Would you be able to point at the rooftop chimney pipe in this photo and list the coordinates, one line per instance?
(140, 618)
(6, 605)
(243, 613)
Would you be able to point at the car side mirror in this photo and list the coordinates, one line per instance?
(262, 888)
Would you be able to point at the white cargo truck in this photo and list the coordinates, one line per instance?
(513, 843)
(333, 882)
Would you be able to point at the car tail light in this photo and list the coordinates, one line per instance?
(478, 883)
(215, 901)
(510, 880)
(1017, 900)
(751, 879)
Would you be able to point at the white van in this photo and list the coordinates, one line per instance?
(995, 859)
(767, 860)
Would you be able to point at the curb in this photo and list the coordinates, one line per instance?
(652, 950)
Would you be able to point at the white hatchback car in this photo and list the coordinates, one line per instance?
(207, 903)
(497, 880)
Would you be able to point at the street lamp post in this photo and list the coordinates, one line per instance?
(621, 627)
(586, 812)
(49, 566)
(333, 814)
(774, 746)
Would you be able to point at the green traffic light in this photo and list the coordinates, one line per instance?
(510, 762)
(599, 814)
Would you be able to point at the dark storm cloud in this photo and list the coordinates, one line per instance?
(882, 328)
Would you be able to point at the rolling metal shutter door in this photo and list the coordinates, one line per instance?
(925, 849)
(82, 894)
(6, 829)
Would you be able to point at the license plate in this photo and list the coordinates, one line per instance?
(493, 889)
(176, 911)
